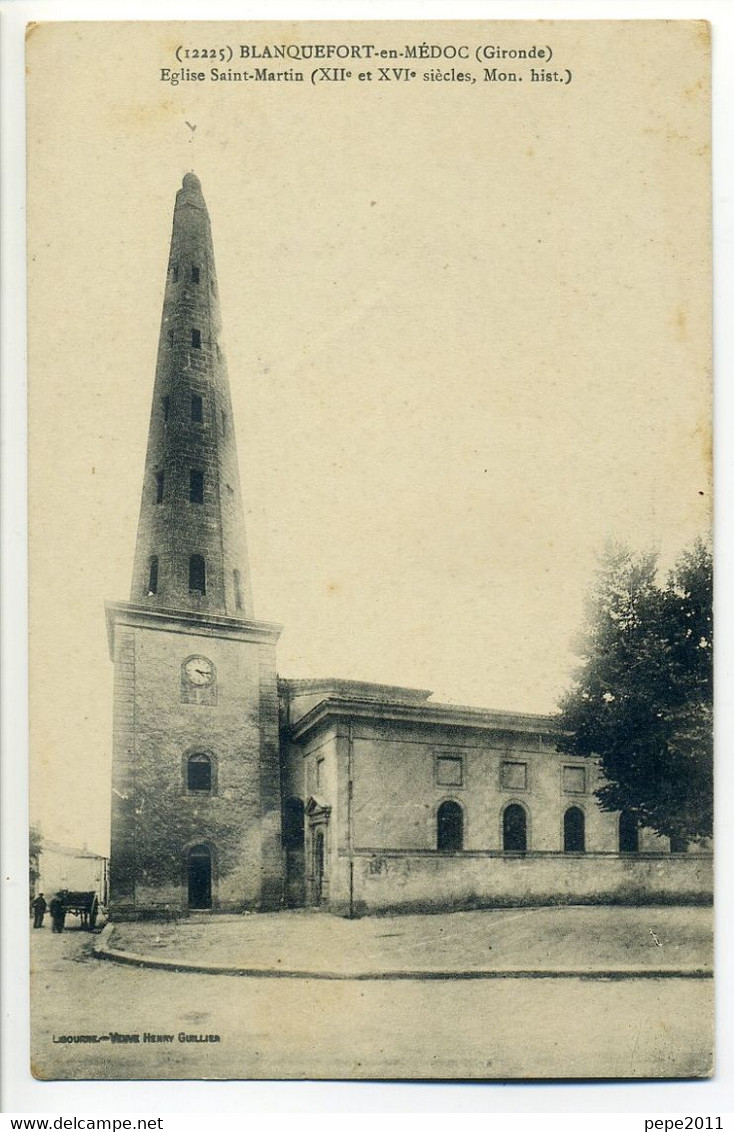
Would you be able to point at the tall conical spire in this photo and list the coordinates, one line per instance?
(191, 550)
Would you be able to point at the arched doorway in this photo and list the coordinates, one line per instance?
(199, 870)
(293, 844)
(318, 865)
(317, 852)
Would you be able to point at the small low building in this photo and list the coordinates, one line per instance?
(78, 870)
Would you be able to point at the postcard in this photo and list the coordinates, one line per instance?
(370, 564)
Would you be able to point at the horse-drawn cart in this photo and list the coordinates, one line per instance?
(84, 904)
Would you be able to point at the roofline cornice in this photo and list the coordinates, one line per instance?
(187, 621)
(447, 715)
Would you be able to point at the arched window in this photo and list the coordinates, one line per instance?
(293, 824)
(197, 574)
(629, 833)
(152, 575)
(574, 831)
(199, 774)
(450, 827)
(199, 870)
(514, 829)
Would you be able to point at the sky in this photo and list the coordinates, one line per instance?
(468, 337)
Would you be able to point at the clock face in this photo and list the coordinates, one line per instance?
(199, 671)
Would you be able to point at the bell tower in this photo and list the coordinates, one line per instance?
(196, 775)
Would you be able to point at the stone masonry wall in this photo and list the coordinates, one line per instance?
(122, 845)
(410, 882)
(157, 819)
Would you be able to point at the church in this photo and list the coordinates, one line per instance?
(234, 790)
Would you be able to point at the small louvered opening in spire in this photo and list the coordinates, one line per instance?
(197, 574)
(153, 575)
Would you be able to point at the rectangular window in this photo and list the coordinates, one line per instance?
(449, 771)
(224, 424)
(196, 486)
(174, 269)
(514, 776)
(319, 773)
(166, 407)
(574, 780)
(237, 589)
(196, 338)
(197, 408)
(194, 275)
(159, 481)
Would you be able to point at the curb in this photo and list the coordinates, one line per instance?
(132, 959)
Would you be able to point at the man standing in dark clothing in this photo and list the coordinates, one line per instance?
(58, 912)
(39, 910)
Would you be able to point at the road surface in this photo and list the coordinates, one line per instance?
(300, 1028)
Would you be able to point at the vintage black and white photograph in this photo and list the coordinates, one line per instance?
(370, 550)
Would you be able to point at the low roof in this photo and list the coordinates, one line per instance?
(48, 846)
(324, 700)
(357, 689)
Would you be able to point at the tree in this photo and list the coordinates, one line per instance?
(35, 840)
(642, 700)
